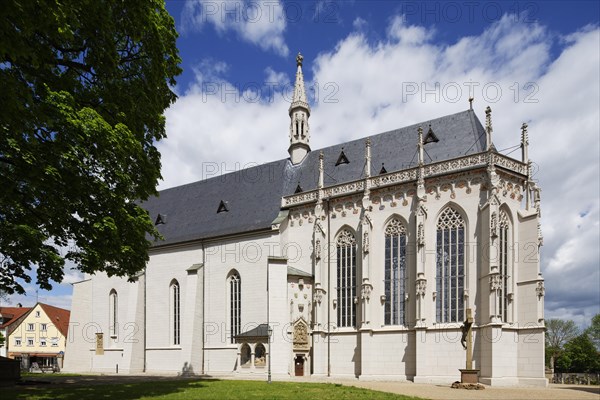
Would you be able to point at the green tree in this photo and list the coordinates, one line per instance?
(84, 87)
(1, 339)
(594, 331)
(581, 354)
(558, 333)
(563, 363)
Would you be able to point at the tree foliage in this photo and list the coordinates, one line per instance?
(580, 355)
(558, 333)
(594, 331)
(2, 339)
(84, 87)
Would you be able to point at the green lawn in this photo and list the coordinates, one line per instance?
(193, 389)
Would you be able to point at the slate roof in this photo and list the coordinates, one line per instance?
(253, 195)
(291, 271)
(261, 331)
(459, 134)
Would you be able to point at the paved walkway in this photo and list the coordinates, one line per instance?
(443, 392)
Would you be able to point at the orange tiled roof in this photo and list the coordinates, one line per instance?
(14, 313)
(58, 316)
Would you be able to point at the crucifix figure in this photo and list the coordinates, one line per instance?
(467, 338)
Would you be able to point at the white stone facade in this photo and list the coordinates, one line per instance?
(288, 280)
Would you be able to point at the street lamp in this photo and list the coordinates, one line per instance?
(270, 330)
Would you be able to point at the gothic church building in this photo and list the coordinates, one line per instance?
(357, 260)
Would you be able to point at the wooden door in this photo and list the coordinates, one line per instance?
(299, 365)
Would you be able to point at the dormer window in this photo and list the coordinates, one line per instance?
(223, 207)
(298, 189)
(161, 219)
(342, 159)
(430, 137)
(382, 170)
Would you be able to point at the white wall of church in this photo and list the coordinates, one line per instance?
(249, 257)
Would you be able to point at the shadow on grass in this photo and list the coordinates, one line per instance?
(132, 387)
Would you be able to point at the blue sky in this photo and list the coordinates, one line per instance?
(372, 66)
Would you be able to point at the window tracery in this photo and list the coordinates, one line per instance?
(450, 266)
(346, 278)
(395, 273)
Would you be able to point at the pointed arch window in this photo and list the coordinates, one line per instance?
(450, 266)
(113, 307)
(235, 304)
(176, 311)
(346, 279)
(504, 264)
(395, 273)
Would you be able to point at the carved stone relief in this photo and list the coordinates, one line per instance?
(540, 290)
(495, 282)
(421, 235)
(494, 225)
(301, 335)
(421, 287)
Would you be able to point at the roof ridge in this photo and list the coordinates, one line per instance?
(221, 176)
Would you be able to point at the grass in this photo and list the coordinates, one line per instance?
(192, 389)
(42, 376)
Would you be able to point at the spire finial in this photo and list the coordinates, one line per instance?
(524, 136)
(420, 145)
(299, 112)
(321, 158)
(524, 143)
(488, 126)
(420, 172)
(471, 98)
(368, 157)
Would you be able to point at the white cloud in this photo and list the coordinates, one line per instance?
(367, 87)
(359, 23)
(261, 23)
(279, 80)
(412, 34)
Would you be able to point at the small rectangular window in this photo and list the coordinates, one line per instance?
(30, 327)
(43, 327)
(17, 341)
(43, 342)
(30, 342)
(37, 314)
(54, 341)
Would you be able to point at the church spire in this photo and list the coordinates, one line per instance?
(299, 112)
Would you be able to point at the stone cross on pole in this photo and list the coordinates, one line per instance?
(468, 324)
(468, 375)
